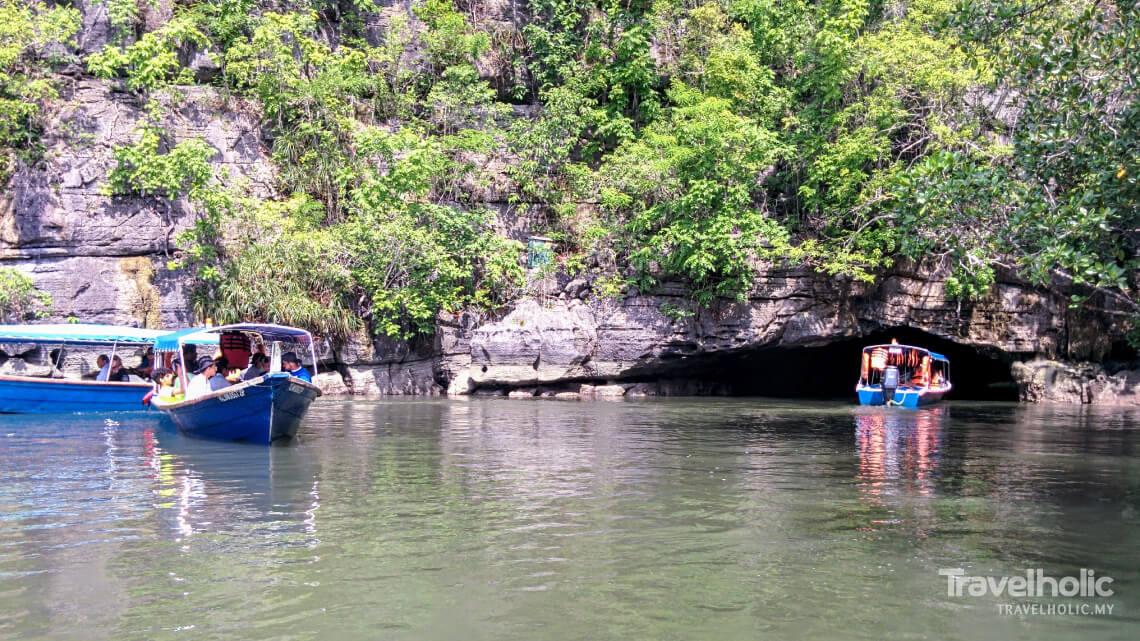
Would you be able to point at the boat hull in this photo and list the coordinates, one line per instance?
(905, 397)
(265, 410)
(28, 395)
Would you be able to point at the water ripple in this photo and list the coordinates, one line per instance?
(487, 519)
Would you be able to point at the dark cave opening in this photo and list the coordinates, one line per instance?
(830, 371)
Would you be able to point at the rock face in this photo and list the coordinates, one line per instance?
(102, 258)
(1052, 381)
(374, 367)
(662, 335)
(105, 259)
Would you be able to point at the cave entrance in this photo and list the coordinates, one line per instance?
(830, 371)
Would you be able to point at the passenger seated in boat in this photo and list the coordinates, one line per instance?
(200, 385)
(103, 362)
(292, 364)
(117, 374)
(258, 366)
(146, 365)
(164, 384)
(218, 380)
(176, 365)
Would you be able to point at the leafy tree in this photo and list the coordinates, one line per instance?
(1076, 143)
(151, 62)
(695, 209)
(31, 34)
(270, 260)
(152, 167)
(20, 299)
(412, 257)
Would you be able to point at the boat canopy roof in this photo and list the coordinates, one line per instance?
(169, 342)
(934, 355)
(77, 334)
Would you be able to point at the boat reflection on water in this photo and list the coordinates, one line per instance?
(214, 486)
(899, 452)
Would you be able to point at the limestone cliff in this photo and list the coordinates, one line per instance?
(662, 335)
(105, 259)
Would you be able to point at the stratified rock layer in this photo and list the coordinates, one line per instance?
(1051, 381)
(663, 335)
(103, 258)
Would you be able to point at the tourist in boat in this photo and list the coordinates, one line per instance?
(165, 384)
(200, 385)
(176, 366)
(116, 374)
(258, 366)
(103, 362)
(218, 380)
(292, 364)
(146, 365)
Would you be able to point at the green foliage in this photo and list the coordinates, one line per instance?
(365, 234)
(693, 207)
(225, 21)
(450, 39)
(1078, 146)
(269, 260)
(310, 95)
(151, 62)
(20, 299)
(1060, 204)
(149, 168)
(1132, 332)
(612, 286)
(124, 16)
(690, 141)
(31, 37)
(414, 258)
(676, 313)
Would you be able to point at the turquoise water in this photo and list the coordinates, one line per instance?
(495, 519)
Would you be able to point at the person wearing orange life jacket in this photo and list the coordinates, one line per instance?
(921, 375)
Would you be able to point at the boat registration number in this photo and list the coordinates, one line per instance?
(229, 396)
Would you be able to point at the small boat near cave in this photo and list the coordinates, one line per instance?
(262, 410)
(902, 376)
(21, 394)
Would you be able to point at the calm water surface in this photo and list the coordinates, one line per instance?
(495, 519)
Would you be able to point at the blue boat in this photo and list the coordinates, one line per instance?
(902, 376)
(44, 395)
(264, 410)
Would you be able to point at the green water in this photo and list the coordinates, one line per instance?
(496, 519)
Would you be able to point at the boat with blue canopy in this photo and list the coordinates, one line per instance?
(55, 394)
(902, 376)
(265, 409)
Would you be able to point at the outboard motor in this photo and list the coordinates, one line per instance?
(890, 384)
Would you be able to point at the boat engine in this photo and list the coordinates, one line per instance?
(890, 384)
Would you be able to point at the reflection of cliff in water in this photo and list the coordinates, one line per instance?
(207, 486)
(899, 451)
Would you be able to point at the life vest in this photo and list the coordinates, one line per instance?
(235, 348)
(878, 358)
(924, 371)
